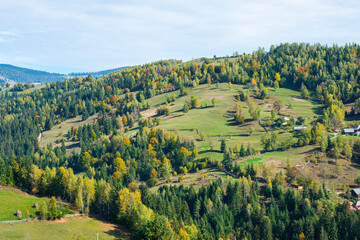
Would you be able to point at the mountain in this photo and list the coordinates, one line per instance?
(13, 74)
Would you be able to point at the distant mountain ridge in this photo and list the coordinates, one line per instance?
(13, 74)
(94, 74)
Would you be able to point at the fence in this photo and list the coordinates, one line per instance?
(31, 219)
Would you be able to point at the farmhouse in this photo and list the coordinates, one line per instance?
(299, 128)
(356, 205)
(295, 186)
(348, 132)
(351, 131)
(355, 192)
(286, 120)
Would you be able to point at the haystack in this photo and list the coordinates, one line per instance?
(18, 214)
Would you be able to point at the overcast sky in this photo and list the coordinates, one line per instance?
(91, 35)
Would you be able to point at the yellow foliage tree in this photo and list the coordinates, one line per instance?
(119, 168)
(154, 141)
(128, 202)
(127, 141)
(153, 173)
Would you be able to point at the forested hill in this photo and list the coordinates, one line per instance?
(120, 172)
(94, 74)
(11, 74)
(25, 75)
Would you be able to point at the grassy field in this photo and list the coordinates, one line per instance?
(197, 179)
(66, 228)
(217, 122)
(12, 199)
(59, 131)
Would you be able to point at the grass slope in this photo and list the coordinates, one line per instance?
(218, 121)
(59, 131)
(66, 228)
(12, 199)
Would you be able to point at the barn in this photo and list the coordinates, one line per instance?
(355, 192)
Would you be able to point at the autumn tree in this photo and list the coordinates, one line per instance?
(277, 105)
(254, 110)
(166, 170)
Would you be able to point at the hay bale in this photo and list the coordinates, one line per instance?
(36, 205)
(18, 214)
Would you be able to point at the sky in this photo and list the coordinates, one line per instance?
(91, 35)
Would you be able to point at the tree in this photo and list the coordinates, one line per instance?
(53, 209)
(131, 122)
(86, 160)
(276, 81)
(88, 192)
(128, 202)
(227, 162)
(185, 108)
(223, 145)
(125, 120)
(158, 228)
(43, 210)
(348, 151)
(320, 133)
(197, 103)
(208, 79)
(290, 173)
(213, 101)
(273, 114)
(102, 193)
(304, 92)
(166, 170)
(266, 228)
(277, 105)
(48, 124)
(79, 195)
(254, 110)
(119, 169)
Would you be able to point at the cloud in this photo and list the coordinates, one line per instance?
(94, 35)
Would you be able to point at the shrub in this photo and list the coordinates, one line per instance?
(152, 182)
(201, 165)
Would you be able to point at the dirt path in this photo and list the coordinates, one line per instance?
(298, 100)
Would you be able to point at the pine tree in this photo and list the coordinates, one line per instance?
(223, 146)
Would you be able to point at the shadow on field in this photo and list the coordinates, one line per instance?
(311, 150)
(231, 122)
(214, 151)
(73, 145)
(120, 233)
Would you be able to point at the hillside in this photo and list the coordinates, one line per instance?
(68, 228)
(14, 199)
(65, 229)
(205, 149)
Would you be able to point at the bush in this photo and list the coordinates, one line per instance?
(201, 165)
(152, 182)
(189, 166)
(163, 110)
(183, 170)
